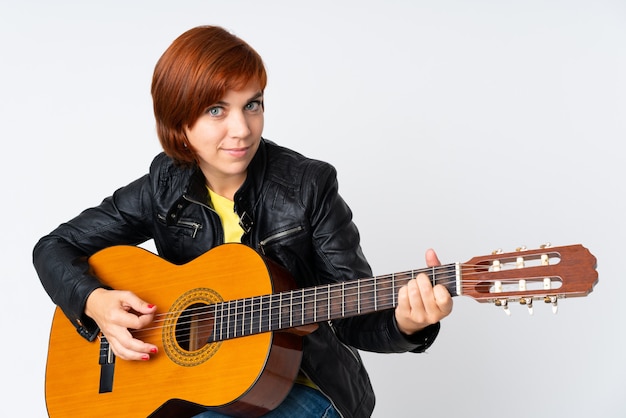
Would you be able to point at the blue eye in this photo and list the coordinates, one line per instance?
(254, 105)
(215, 111)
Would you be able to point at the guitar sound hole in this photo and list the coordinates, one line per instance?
(194, 327)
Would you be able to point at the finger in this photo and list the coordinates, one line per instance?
(126, 353)
(404, 305)
(406, 311)
(134, 302)
(416, 294)
(431, 258)
(443, 299)
(436, 300)
(141, 312)
(425, 294)
(145, 308)
(123, 318)
(126, 347)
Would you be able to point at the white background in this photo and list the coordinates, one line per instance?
(463, 126)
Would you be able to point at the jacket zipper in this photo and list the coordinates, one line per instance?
(347, 347)
(190, 224)
(194, 225)
(323, 393)
(282, 234)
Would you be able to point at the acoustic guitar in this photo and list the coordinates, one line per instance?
(230, 323)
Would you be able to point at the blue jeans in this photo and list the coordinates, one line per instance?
(302, 401)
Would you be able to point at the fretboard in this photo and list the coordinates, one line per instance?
(299, 307)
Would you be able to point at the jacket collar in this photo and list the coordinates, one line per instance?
(245, 198)
(248, 195)
(196, 190)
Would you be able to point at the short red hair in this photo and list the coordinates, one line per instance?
(196, 71)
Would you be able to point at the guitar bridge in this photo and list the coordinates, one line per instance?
(107, 366)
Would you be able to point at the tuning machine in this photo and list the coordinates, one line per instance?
(529, 304)
(504, 304)
(553, 300)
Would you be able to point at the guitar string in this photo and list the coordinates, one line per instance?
(295, 302)
(350, 291)
(241, 325)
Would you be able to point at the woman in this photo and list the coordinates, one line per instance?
(219, 181)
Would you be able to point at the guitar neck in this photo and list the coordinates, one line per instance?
(300, 307)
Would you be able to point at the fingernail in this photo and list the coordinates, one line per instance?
(154, 350)
(145, 357)
(150, 306)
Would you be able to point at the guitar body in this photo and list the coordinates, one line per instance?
(245, 376)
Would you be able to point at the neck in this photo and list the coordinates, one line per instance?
(225, 186)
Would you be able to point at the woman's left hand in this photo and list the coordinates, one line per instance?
(420, 304)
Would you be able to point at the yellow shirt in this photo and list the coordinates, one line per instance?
(225, 208)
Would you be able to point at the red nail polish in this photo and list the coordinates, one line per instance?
(150, 306)
(154, 350)
(145, 357)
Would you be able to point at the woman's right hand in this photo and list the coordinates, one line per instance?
(117, 311)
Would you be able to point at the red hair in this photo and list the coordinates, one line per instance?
(196, 71)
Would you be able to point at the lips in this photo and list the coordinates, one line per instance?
(237, 152)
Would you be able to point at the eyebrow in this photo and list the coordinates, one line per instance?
(255, 97)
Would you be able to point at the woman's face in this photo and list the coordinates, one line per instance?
(226, 137)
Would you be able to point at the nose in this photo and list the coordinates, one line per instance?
(238, 126)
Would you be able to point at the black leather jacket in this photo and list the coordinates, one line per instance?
(291, 212)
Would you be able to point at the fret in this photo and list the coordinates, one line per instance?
(302, 307)
(393, 289)
(266, 314)
(221, 335)
(238, 317)
(348, 299)
(345, 292)
(307, 310)
(227, 316)
(225, 320)
(243, 317)
(358, 296)
(286, 306)
(352, 299)
(235, 316)
(368, 295)
(255, 315)
(291, 311)
(315, 304)
(330, 313)
(280, 311)
(375, 294)
(275, 312)
(212, 338)
(336, 301)
(230, 318)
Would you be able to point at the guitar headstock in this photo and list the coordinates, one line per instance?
(547, 273)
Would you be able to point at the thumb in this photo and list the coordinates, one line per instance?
(431, 258)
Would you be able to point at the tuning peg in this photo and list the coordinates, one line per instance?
(529, 303)
(553, 301)
(546, 245)
(520, 259)
(505, 305)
